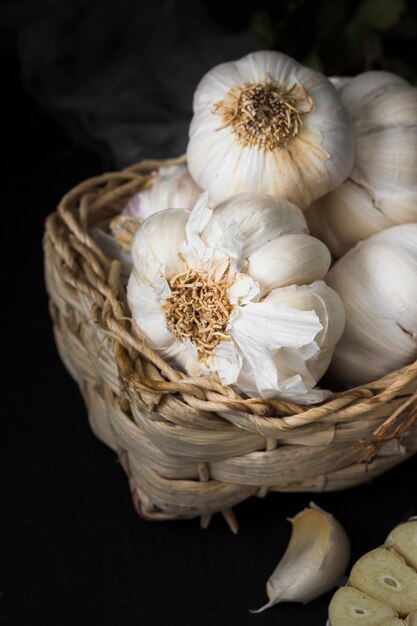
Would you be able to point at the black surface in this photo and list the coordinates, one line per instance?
(73, 551)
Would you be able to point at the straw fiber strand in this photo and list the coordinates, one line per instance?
(190, 446)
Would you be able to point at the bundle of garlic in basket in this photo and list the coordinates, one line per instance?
(229, 283)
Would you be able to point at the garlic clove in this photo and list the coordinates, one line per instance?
(386, 577)
(351, 607)
(328, 306)
(316, 558)
(346, 216)
(386, 164)
(399, 105)
(158, 240)
(376, 282)
(412, 619)
(275, 264)
(258, 217)
(403, 540)
(358, 92)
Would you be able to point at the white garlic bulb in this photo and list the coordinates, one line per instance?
(267, 124)
(381, 190)
(377, 282)
(315, 560)
(171, 188)
(237, 291)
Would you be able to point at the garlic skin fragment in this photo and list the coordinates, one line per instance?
(171, 188)
(376, 281)
(381, 190)
(199, 293)
(315, 560)
(266, 123)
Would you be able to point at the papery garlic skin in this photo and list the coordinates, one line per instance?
(273, 334)
(381, 190)
(377, 281)
(266, 123)
(315, 560)
(171, 188)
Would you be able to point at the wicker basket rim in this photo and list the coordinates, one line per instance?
(85, 268)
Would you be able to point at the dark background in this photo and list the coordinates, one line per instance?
(72, 550)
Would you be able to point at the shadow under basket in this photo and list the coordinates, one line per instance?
(190, 446)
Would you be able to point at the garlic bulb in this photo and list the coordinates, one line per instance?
(237, 291)
(377, 283)
(382, 587)
(315, 560)
(171, 188)
(267, 124)
(381, 190)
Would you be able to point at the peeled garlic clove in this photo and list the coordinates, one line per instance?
(315, 560)
(351, 607)
(385, 576)
(403, 539)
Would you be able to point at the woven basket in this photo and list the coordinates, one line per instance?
(190, 446)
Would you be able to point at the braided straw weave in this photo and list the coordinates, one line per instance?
(190, 446)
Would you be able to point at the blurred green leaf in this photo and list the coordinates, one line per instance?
(343, 37)
(263, 28)
(313, 60)
(380, 14)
